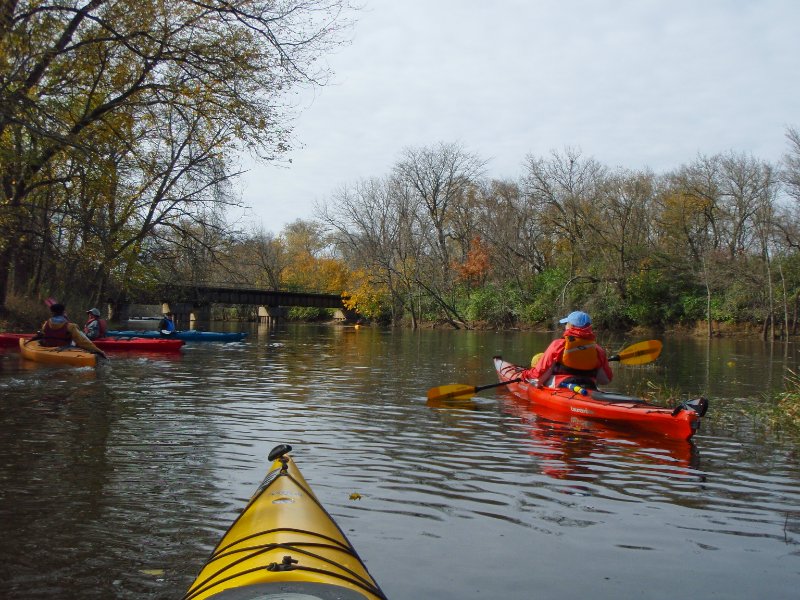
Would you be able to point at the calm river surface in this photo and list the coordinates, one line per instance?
(117, 483)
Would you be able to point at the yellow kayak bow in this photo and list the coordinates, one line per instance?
(284, 545)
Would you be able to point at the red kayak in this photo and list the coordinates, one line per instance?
(108, 344)
(680, 423)
(11, 340)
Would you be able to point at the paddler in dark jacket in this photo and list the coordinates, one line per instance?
(167, 325)
(574, 358)
(59, 331)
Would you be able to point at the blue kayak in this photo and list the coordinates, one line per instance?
(189, 335)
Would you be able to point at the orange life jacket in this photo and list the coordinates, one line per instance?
(580, 356)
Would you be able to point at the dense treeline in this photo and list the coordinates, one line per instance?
(714, 240)
(121, 121)
(120, 126)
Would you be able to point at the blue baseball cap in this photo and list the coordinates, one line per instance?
(577, 318)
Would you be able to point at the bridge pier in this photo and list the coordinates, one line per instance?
(199, 314)
(271, 314)
(186, 315)
(118, 312)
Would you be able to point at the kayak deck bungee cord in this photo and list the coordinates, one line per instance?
(284, 545)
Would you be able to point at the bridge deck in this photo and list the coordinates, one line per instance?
(230, 294)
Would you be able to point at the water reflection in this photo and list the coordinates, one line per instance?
(567, 447)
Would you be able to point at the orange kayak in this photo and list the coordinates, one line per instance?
(56, 355)
(682, 422)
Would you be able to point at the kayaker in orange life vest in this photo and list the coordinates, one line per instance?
(59, 331)
(574, 358)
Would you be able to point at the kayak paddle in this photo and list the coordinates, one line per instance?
(635, 354)
(461, 391)
(639, 354)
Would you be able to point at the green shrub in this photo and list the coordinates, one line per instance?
(542, 296)
(492, 304)
(786, 413)
(650, 299)
(309, 313)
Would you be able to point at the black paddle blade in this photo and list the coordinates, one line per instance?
(279, 451)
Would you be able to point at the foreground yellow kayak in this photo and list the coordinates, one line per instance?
(56, 355)
(284, 545)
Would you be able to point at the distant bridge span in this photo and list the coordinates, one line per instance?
(227, 294)
(194, 300)
(200, 294)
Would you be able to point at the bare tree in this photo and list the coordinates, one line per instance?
(790, 174)
(519, 242)
(618, 225)
(375, 225)
(76, 75)
(559, 193)
(440, 176)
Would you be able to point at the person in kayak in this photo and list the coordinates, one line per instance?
(575, 358)
(59, 331)
(95, 327)
(166, 325)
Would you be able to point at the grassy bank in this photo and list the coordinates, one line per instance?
(783, 412)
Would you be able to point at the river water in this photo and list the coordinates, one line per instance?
(117, 482)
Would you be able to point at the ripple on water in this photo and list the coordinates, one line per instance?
(149, 463)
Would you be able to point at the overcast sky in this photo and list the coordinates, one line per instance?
(631, 83)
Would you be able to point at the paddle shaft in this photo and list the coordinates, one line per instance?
(629, 355)
(640, 353)
(494, 385)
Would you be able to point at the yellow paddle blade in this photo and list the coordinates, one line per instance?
(640, 354)
(453, 403)
(453, 390)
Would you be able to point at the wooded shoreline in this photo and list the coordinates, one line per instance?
(119, 159)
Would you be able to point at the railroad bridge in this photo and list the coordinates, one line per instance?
(190, 302)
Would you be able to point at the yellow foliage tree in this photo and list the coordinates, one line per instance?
(366, 296)
(309, 273)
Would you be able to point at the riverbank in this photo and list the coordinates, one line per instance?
(26, 318)
(21, 316)
(697, 329)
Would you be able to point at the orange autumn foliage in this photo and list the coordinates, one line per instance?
(476, 266)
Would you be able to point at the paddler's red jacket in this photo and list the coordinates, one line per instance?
(59, 331)
(544, 370)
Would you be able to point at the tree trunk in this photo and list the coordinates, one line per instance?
(6, 259)
(785, 328)
(771, 296)
(708, 311)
